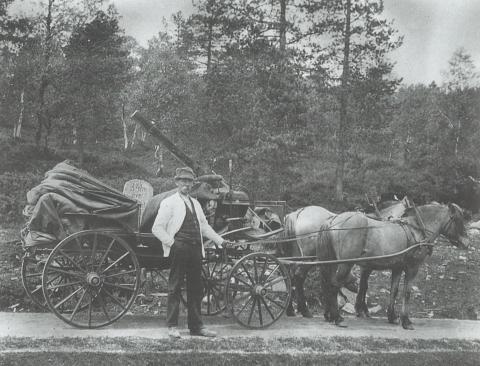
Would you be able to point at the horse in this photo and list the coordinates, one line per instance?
(305, 224)
(351, 235)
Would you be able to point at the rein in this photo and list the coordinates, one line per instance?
(303, 260)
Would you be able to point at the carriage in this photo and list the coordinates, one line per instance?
(87, 251)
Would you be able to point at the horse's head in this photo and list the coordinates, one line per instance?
(454, 229)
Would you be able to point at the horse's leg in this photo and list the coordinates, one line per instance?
(361, 308)
(330, 293)
(410, 273)
(299, 286)
(396, 276)
(290, 309)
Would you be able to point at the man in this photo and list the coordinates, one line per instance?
(181, 225)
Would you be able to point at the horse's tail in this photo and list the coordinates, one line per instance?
(286, 247)
(324, 249)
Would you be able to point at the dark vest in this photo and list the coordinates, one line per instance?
(190, 230)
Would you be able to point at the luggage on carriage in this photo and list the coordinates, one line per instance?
(85, 245)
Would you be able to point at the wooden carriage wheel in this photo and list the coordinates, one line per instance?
(258, 290)
(31, 272)
(91, 279)
(215, 270)
(214, 276)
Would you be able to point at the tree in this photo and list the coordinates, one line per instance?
(461, 73)
(358, 41)
(54, 25)
(97, 67)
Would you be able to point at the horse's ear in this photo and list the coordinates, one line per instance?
(451, 208)
(454, 208)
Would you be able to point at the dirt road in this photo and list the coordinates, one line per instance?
(42, 339)
(46, 325)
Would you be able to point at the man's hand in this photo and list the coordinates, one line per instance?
(227, 243)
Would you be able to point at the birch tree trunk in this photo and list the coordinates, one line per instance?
(17, 129)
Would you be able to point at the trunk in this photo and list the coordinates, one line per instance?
(17, 129)
(283, 26)
(209, 47)
(134, 136)
(41, 115)
(343, 125)
(125, 131)
(80, 146)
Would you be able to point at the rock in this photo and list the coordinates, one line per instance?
(349, 308)
(374, 309)
(351, 296)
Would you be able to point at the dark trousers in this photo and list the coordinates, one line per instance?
(186, 261)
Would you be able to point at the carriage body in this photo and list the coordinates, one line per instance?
(86, 253)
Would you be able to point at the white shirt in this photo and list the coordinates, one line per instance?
(170, 218)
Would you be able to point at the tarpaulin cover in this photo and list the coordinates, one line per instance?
(69, 200)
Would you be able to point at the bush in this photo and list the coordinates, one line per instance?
(13, 198)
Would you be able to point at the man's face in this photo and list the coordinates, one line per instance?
(184, 185)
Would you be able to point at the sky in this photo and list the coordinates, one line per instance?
(432, 30)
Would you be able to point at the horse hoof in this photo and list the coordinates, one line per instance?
(307, 314)
(339, 323)
(408, 326)
(290, 313)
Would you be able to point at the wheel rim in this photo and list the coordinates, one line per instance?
(31, 272)
(215, 272)
(258, 290)
(91, 279)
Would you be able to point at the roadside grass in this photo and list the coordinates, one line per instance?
(237, 351)
(243, 344)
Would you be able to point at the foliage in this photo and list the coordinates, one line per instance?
(284, 89)
(97, 65)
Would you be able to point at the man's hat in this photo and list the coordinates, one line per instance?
(184, 173)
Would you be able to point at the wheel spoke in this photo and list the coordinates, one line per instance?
(259, 312)
(248, 274)
(271, 273)
(53, 279)
(90, 312)
(274, 281)
(122, 286)
(68, 298)
(77, 306)
(105, 254)
(64, 285)
(241, 280)
(73, 274)
(268, 309)
(94, 249)
(120, 273)
(38, 288)
(36, 274)
(65, 255)
(279, 304)
(245, 305)
(114, 263)
(102, 303)
(113, 298)
(263, 269)
(252, 310)
(255, 269)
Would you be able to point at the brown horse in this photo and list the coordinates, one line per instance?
(353, 235)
